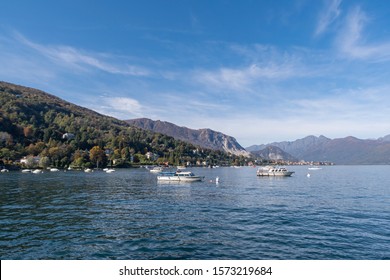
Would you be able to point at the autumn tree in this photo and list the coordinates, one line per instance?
(97, 156)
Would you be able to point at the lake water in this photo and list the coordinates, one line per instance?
(339, 212)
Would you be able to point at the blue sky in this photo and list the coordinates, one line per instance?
(260, 71)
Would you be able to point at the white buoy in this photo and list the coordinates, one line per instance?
(217, 180)
(308, 175)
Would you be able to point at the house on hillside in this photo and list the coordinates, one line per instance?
(30, 160)
(151, 156)
(68, 136)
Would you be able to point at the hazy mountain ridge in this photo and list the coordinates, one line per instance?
(347, 150)
(206, 138)
(274, 153)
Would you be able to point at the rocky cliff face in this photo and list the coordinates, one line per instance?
(205, 138)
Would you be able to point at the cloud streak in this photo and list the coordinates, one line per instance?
(245, 78)
(82, 60)
(118, 107)
(328, 16)
(351, 41)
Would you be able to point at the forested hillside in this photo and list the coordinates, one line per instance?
(54, 132)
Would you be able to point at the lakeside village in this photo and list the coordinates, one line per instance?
(37, 162)
(98, 158)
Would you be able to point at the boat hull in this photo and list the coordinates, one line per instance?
(280, 173)
(178, 179)
(178, 176)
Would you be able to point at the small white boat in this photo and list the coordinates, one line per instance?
(157, 169)
(273, 171)
(54, 169)
(179, 176)
(37, 171)
(88, 170)
(109, 170)
(314, 167)
(26, 170)
(4, 170)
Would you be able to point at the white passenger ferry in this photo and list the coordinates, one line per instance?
(273, 171)
(179, 176)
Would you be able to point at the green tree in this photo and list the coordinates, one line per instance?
(44, 162)
(5, 153)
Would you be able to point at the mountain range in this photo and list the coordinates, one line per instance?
(348, 150)
(205, 138)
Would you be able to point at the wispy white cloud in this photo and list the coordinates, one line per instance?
(82, 60)
(118, 107)
(243, 79)
(349, 104)
(351, 40)
(331, 12)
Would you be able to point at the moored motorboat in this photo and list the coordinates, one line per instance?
(179, 176)
(273, 171)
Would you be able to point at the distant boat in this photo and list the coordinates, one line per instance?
(4, 170)
(37, 171)
(314, 167)
(88, 170)
(181, 167)
(273, 171)
(54, 169)
(26, 170)
(179, 176)
(157, 169)
(109, 170)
